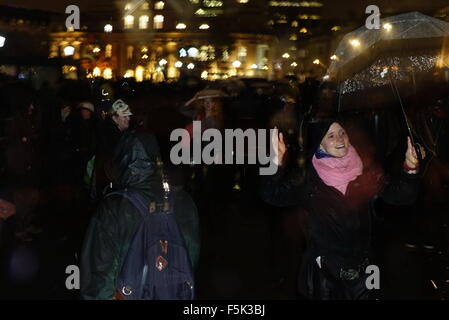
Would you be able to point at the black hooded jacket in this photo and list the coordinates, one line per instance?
(113, 226)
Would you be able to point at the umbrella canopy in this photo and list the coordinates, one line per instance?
(405, 43)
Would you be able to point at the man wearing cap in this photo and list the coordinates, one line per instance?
(110, 132)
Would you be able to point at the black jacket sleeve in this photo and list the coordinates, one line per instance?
(402, 189)
(283, 189)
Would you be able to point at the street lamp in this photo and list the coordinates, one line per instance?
(387, 26)
(2, 41)
(355, 43)
(190, 66)
(108, 28)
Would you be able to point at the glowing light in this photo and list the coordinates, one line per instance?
(129, 21)
(69, 51)
(355, 43)
(387, 26)
(326, 77)
(335, 28)
(108, 28)
(334, 57)
(316, 61)
(96, 50)
(193, 52)
(178, 64)
(96, 72)
(162, 62)
(2, 41)
(181, 26)
(159, 5)
(294, 64)
(204, 74)
(254, 66)
(107, 73)
(286, 55)
(129, 74)
(303, 30)
(190, 66)
(204, 26)
(145, 56)
(182, 53)
(236, 64)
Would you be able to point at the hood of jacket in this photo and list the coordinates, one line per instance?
(134, 165)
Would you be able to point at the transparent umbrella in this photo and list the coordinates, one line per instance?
(405, 45)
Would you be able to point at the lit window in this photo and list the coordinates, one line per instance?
(293, 37)
(159, 5)
(145, 6)
(208, 12)
(128, 6)
(129, 73)
(143, 22)
(96, 72)
(158, 21)
(107, 73)
(129, 22)
(335, 28)
(294, 24)
(194, 1)
(129, 52)
(303, 30)
(242, 54)
(144, 49)
(242, 1)
(212, 3)
(108, 51)
(140, 73)
(204, 26)
(181, 26)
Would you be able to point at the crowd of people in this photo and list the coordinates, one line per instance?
(64, 149)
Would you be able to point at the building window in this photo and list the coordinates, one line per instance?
(212, 3)
(108, 51)
(242, 54)
(129, 52)
(145, 6)
(159, 5)
(107, 73)
(242, 1)
(294, 24)
(158, 21)
(293, 37)
(129, 22)
(181, 26)
(143, 22)
(128, 6)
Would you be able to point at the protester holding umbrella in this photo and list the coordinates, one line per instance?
(338, 194)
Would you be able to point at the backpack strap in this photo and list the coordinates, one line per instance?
(134, 197)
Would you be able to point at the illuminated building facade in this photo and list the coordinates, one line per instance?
(163, 40)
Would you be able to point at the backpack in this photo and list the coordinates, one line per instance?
(157, 265)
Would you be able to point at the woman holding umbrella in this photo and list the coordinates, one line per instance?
(338, 193)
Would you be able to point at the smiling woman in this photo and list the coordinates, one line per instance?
(338, 193)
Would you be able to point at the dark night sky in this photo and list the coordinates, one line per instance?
(334, 7)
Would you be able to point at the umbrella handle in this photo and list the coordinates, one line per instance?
(418, 151)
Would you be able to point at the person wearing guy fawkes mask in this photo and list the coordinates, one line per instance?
(109, 133)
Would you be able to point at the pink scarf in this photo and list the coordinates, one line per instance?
(338, 172)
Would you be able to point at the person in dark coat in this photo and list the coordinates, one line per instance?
(116, 220)
(83, 134)
(109, 133)
(338, 194)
